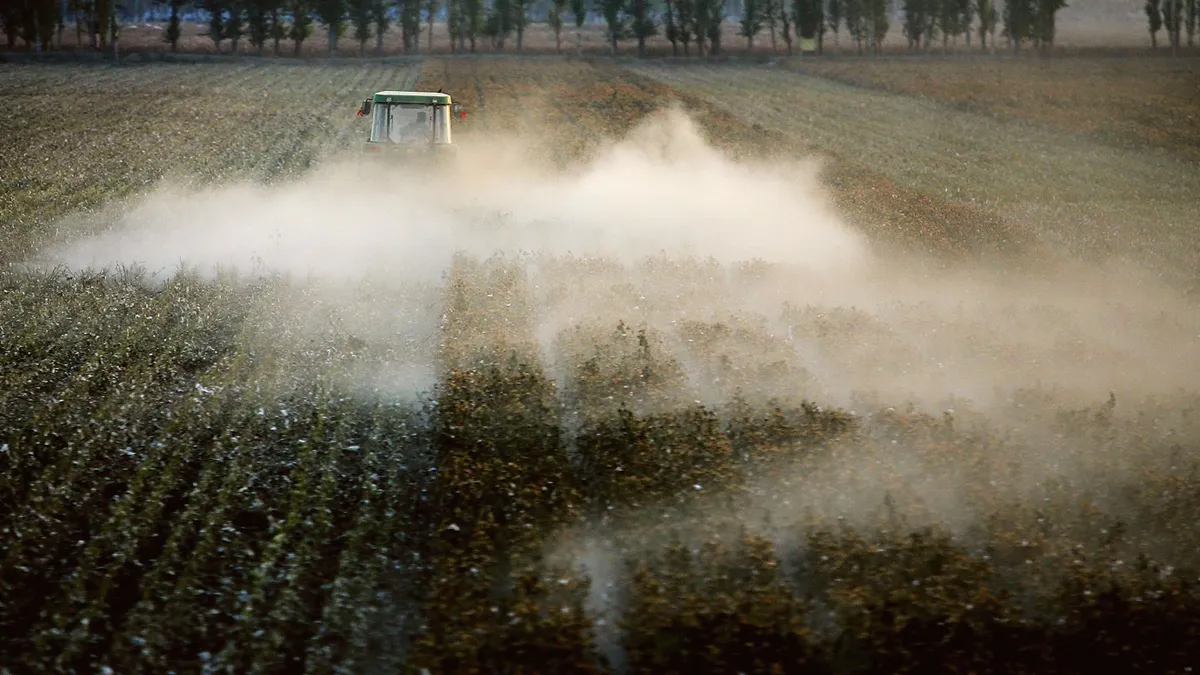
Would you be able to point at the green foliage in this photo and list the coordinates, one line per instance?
(985, 10)
(915, 21)
(258, 20)
(965, 10)
(10, 18)
(680, 25)
(1044, 20)
(473, 19)
(949, 20)
(752, 21)
(554, 18)
(809, 16)
(856, 20)
(172, 33)
(216, 22)
(834, 10)
(718, 608)
(709, 16)
(770, 19)
(235, 26)
(301, 26)
(1019, 21)
(430, 8)
(332, 14)
(1191, 13)
(579, 10)
(878, 22)
(361, 17)
(616, 22)
(410, 24)
(520, 19)
(381, 20)
(1172, 19)
(34, 21)
(785, 23)
(641, 23)
(504, 17)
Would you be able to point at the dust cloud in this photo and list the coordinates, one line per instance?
(663, 189)
(752, 260)
(673, 231)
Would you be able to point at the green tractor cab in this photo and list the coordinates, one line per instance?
(410, 123)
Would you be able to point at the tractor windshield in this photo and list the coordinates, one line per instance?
(407, 123)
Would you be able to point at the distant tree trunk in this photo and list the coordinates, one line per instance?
(1193, 8)
(379, 43)
(1176, 25)
(332, 41)
(63, 25)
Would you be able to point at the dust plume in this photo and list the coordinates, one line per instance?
(661, 190)
(745, 274)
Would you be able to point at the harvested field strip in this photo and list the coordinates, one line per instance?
(1073, 193)
(1126, 102)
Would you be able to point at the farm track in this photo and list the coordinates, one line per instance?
(1070, 192)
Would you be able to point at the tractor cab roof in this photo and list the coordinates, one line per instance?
(426, 98)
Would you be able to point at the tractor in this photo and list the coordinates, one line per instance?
(410, 124)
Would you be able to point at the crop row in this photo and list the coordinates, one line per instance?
(612, 466)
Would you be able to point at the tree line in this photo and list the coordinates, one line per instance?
(690, 26)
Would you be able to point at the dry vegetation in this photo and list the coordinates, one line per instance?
(551, 462)
(1130, 102)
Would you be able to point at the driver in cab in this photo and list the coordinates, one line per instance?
(416, 130)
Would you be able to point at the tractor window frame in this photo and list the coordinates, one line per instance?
(441, 123)
(384, 121)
